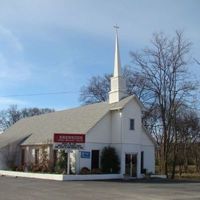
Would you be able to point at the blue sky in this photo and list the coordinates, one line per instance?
(57, 45)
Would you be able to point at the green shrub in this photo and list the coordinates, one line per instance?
(109, 160)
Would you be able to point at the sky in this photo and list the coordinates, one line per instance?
(55, 46)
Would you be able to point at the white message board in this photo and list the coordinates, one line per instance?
(70, 146)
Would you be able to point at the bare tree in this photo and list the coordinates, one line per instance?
(13, 114)
(188, 130)
(9, 117)
(96, 90)
(29, 112)
(164, 68)
(98, 86)
(198, 62)
(160, 80)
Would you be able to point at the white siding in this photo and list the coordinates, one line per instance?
(131, 111)
(101, 133)
(149, 158)
(134, 141)
(85, 162)
(116, 128)
(145, 140)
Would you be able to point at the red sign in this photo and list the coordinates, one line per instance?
(69, 138)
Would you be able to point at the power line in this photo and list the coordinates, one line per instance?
(39, 94)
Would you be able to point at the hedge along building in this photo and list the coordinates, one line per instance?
(115, 123)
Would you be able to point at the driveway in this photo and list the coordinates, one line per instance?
(34, 189)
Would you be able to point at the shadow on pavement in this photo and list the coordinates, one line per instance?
(156, 181)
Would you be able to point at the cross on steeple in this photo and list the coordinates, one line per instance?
(116, 27)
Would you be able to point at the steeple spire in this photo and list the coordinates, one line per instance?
(117, 64)
(118, 85)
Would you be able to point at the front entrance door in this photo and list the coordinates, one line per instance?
(131, 165)
(95, 159)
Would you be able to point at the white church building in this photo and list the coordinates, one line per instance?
(116, 123)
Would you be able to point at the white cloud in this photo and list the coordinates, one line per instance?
(6, 101)
(9, 40)
(138, 19)
(27, 26)
(13, 71)
(13, 68)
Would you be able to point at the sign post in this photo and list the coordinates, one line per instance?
(68, 163)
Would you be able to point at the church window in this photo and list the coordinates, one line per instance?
(132, 124)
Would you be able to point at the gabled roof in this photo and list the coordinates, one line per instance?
(120, 105)
(40, 129)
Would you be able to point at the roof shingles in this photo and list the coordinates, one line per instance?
(40, 129)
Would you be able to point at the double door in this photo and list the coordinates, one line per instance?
(131, 165)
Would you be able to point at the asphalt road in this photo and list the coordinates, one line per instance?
(34, 189)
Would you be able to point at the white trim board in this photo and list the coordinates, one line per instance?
(61, 177)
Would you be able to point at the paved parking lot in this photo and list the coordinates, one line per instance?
(34, 189)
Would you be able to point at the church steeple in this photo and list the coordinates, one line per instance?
(118, 85)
